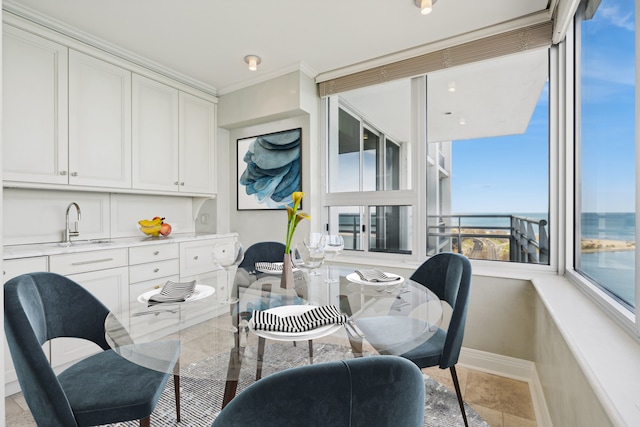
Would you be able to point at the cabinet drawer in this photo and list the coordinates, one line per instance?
(152, 253)
(81, 262)
(153, 270)
(197, 257)
(15, 267)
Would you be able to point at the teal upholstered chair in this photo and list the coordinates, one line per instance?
(448, 275)
(262, 252)
(375, 391)
(100, 389)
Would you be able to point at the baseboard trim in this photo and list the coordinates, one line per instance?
(510, 367)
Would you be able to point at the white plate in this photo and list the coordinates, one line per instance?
(201, 291)
(291, 310)
(275, 270)
(353, 277)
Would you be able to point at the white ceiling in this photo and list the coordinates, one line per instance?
(208, 39)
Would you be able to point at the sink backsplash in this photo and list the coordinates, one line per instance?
(38, 216)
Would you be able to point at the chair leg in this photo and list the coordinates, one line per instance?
(176, 389)
(311, 352)
(145, 422)
(261, 342)
(456, 384)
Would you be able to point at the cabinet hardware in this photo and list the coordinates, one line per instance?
(182, 183)
(93, 261)
(156, 252)
(74, 173)
(63, 173)
(195, 257)
(155, 270)
(176, 183)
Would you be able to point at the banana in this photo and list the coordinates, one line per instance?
(153, 230)
(151, 222)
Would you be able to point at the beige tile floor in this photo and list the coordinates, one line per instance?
(502, 402)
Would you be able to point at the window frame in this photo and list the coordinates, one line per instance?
(627, 319)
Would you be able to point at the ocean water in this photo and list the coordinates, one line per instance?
(615, 271)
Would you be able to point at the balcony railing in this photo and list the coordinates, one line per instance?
(493, 237)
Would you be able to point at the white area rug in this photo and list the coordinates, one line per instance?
(201, 399)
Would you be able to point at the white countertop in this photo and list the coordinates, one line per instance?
(80, 245)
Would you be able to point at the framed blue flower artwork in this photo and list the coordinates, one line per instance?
(269, 170)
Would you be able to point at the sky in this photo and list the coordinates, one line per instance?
(514, 173)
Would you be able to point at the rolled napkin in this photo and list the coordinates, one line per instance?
(375, 275)
(173, 292)
(314, 318)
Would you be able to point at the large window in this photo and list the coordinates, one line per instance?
(488, 131)
(457, 160)
(605, 147)
(368, 198)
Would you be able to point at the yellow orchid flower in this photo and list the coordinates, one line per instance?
(294, 217)
(302, 215)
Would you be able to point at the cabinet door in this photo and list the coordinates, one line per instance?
(99, 123)
(155, 135)
(197, 144)
(109, 286)
(34, 130)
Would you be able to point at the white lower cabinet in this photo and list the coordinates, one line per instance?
(198, 262)
(13, 268)
(117, 276)
(103, 273)
(149, 268)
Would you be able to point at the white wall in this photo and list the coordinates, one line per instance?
(287, 102)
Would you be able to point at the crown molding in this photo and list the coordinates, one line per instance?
(30, 15)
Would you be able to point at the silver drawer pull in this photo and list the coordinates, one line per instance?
(155, 270)
(195, 257)
(156, 252)
(93, 261)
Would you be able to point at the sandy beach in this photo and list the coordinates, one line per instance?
(587, 245)
(603, 245)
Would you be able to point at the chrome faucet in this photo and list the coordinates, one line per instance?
(68, 234)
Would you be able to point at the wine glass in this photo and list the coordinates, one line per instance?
(229, 258)
(333, 245)
(307, 256)
(315, 240)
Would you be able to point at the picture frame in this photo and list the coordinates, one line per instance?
(269, 170)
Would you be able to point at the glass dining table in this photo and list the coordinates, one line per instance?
(220, 342)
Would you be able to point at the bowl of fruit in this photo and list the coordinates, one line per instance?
(155, 227)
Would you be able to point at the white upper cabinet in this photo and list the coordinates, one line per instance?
(99, 123)
(76, 116)
(173, 139)
(155, 135)
(34, 128)
(197, 136)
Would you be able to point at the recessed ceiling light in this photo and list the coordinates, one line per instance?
(425, 6)
(253, 61)
(452, 87)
